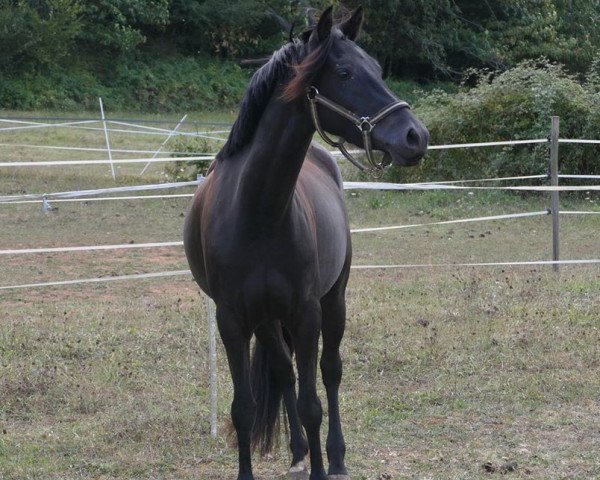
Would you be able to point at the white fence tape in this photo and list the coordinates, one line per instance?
(79, 125)
(162, 130)
(136, 121)
(449, 222)
(439, 186)
(127, 246)
(481, 264)
(482, 180)
(97, 191)
(581, 141)
(591, 177)
(347, 185)
(54, 163)
(31, 125)
(91, 248)
(137, 276)
(104, 199)
(506, 143)
(101, 149)
(173, 273)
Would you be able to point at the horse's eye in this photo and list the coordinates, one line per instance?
(344, 73)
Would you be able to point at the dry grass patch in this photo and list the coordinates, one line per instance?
(449, 372)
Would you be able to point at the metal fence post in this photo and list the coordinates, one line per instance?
(112, 167)
(555, 207)
(171, 133)
(212, 362)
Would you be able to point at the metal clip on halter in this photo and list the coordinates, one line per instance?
(364, 124)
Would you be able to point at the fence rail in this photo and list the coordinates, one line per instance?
(554, 189)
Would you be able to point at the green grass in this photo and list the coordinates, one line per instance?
(446, 369)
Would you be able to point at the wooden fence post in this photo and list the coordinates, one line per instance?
(555, 207)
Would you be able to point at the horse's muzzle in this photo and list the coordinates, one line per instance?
(407, 148)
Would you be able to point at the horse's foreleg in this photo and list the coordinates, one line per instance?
(243, 407)
(334, 320)
(306, 336)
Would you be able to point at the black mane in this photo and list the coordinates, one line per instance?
(278, 70)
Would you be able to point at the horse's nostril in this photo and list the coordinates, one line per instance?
(412, 138)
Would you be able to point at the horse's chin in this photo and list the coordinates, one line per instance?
(400, 160)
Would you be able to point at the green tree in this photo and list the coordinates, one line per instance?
(119, 27)
(37, 34)
(230, 28)
(425, 38)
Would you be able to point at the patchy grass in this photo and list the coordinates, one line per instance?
(449, 372)
(92, 136)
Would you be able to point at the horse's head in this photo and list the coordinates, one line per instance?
(346, 87)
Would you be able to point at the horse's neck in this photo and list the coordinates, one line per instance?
(274, 159)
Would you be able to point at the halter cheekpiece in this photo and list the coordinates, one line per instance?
(364, 124)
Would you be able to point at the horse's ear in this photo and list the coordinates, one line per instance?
(325, 23)
(351, 27)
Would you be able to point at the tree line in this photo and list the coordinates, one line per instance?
(422, 39)
(64, 53)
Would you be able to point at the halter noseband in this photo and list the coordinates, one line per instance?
(364, 124)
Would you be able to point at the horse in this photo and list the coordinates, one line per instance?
(267, 237)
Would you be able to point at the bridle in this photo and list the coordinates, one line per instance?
(364, 124)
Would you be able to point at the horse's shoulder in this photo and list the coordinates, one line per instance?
(323, 159)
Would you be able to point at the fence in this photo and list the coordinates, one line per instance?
(93, 195)
(45, 199)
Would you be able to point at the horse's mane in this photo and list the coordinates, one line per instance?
(289, 66)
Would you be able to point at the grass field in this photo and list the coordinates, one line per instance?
(450, 373)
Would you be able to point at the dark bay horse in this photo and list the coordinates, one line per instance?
(267, 234)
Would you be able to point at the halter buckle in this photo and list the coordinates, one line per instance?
(365, 125)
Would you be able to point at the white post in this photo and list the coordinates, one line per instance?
(554, 136)
(212, 354)
(112, 167)
(171, 133)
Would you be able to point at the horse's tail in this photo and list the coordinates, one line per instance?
(268, 395)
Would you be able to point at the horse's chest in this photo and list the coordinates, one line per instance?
(260, 276)
(282, 253)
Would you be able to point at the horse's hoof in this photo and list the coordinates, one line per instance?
(298, 471)
(338, 477)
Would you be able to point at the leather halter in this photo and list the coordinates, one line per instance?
(364, 124)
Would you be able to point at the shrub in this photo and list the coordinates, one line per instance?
(190, 147)
(148, 85)
(516, 104)
(185, 84)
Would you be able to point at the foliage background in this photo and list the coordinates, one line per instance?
(59, 52)
(473, 70)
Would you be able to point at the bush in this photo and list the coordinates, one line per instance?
(185, 84)
(56, 90)
(180, 84)
(190, 147)
(411, 91)
(516, 104)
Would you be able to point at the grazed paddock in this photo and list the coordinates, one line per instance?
(449, 372)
